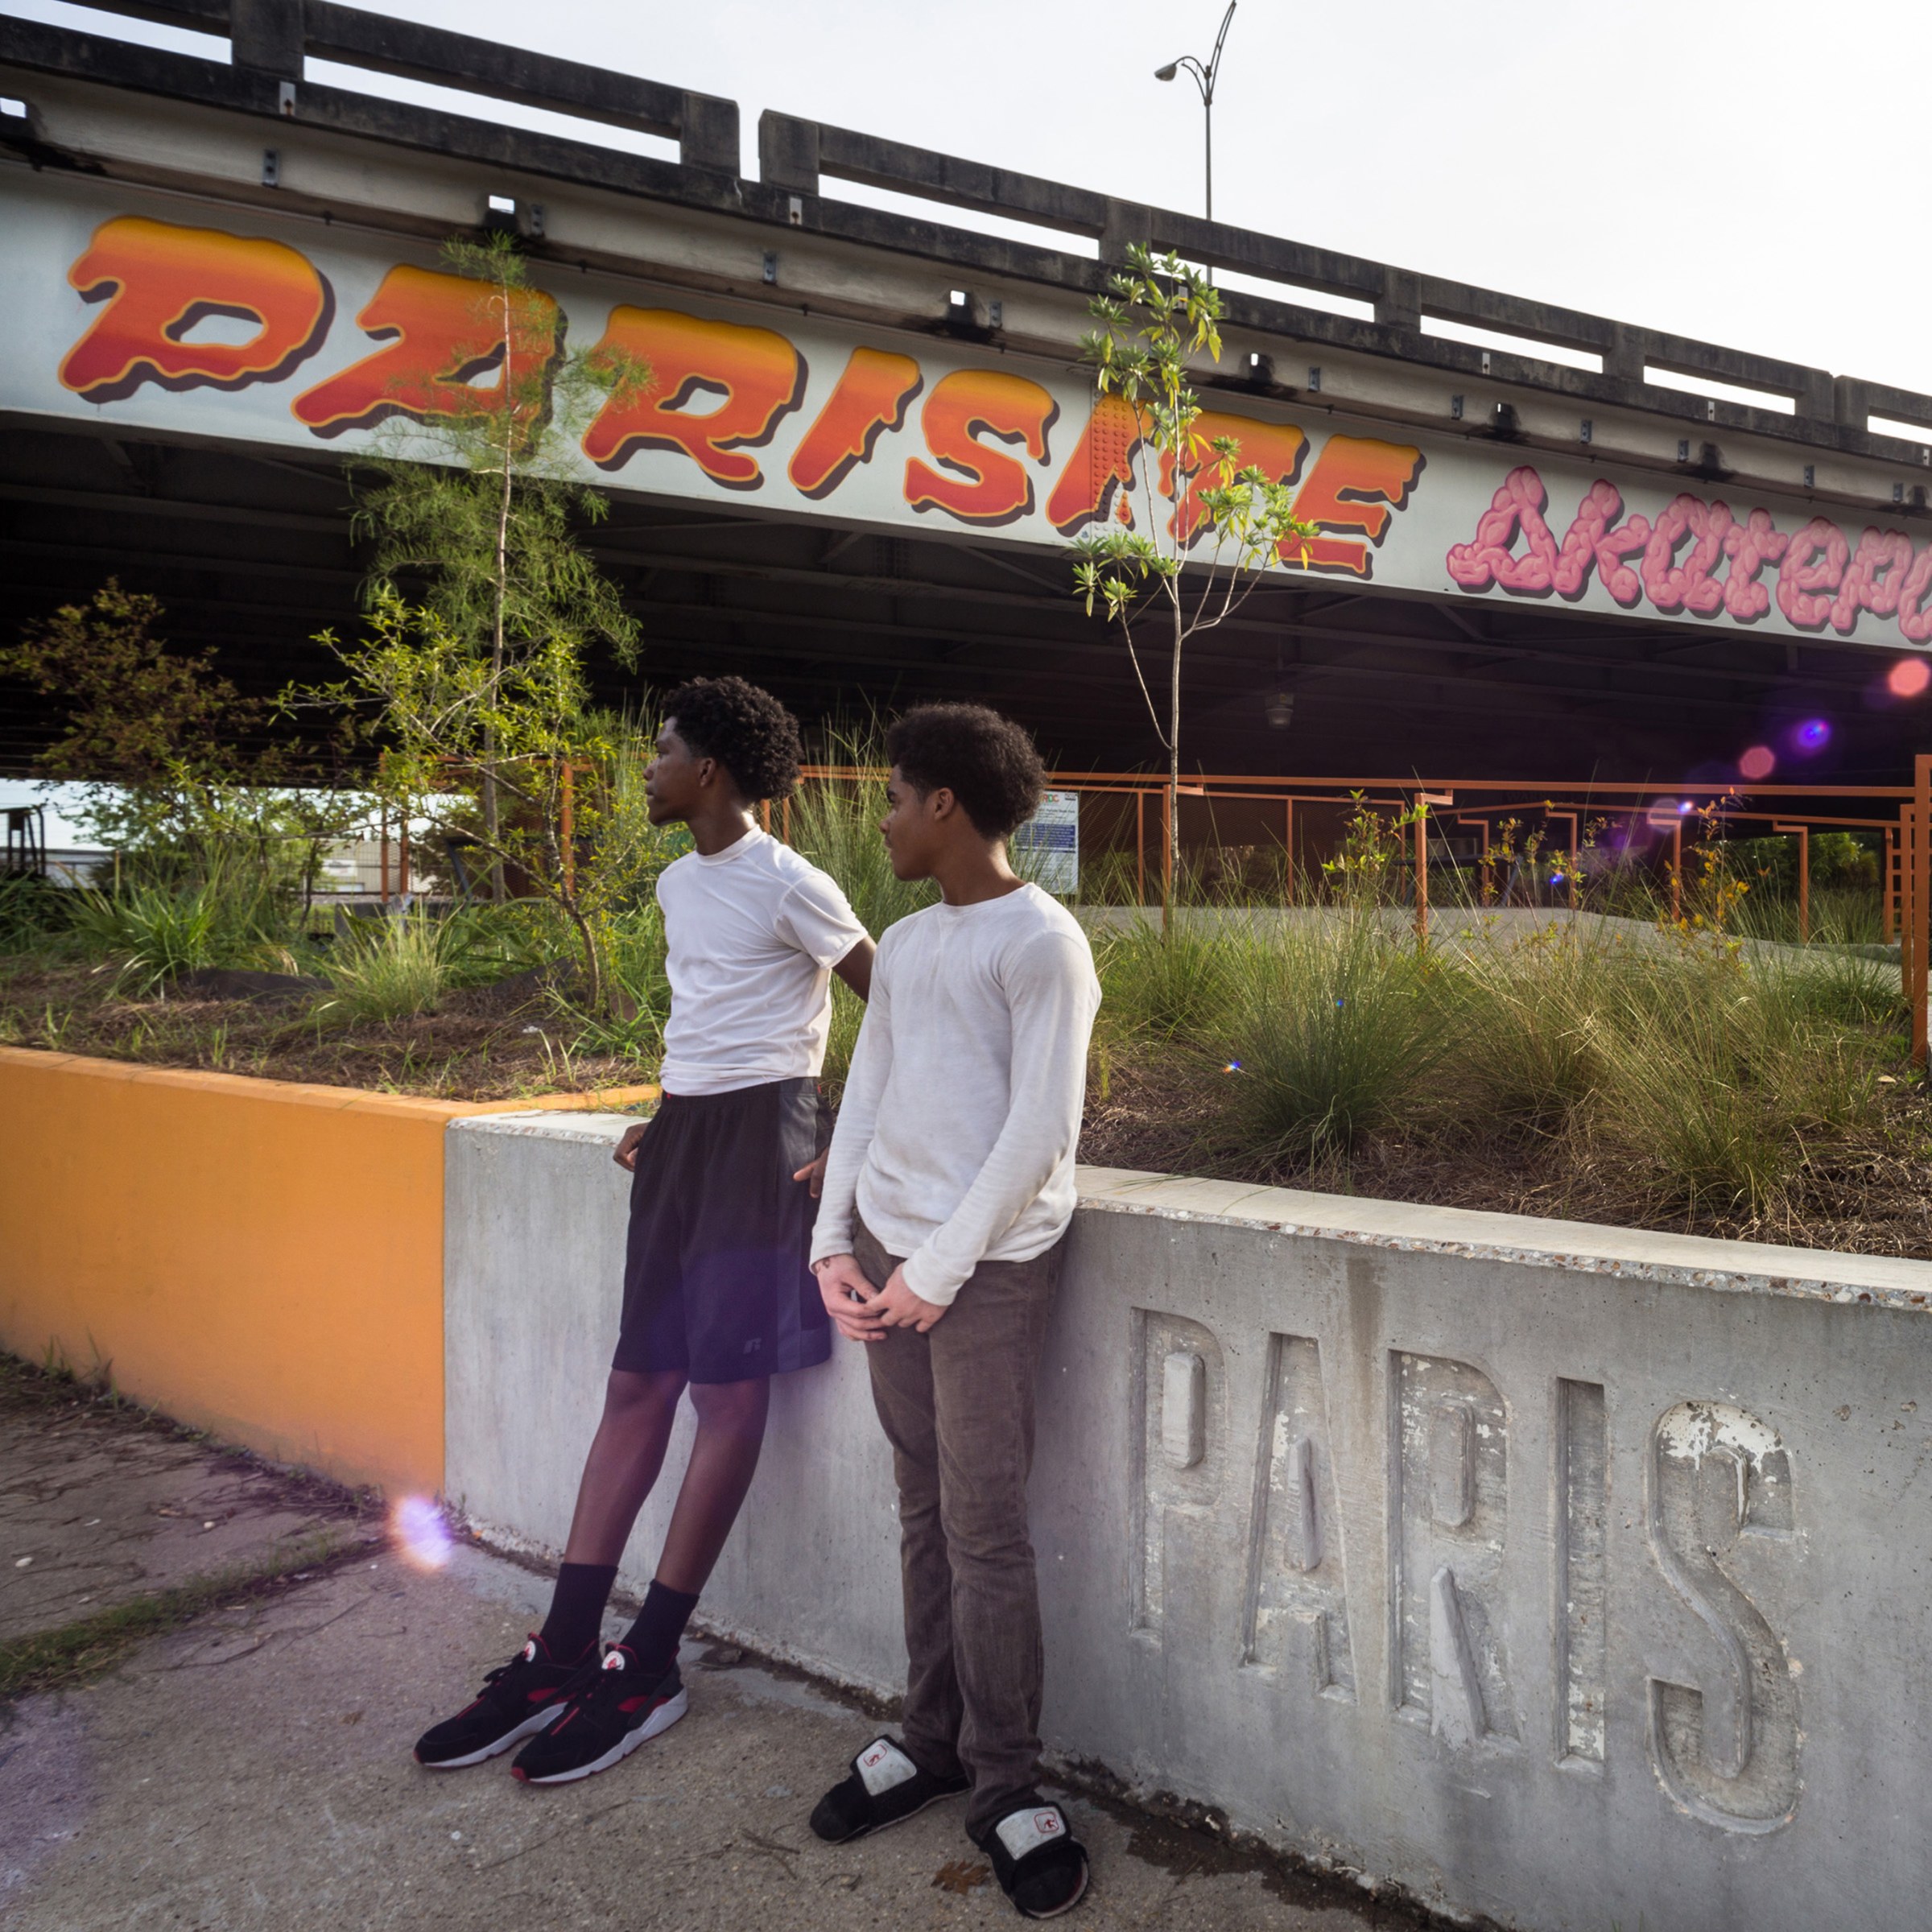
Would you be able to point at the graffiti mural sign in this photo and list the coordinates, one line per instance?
(268, 331)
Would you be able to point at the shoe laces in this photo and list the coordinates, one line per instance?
(526, 1655)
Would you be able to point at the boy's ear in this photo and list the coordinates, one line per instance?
(941, 802)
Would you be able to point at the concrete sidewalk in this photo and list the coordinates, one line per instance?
(253, 1770)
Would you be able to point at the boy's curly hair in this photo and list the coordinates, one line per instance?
(747, 730)
(987, 762)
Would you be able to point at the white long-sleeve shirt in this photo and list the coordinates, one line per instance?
(956, 1133)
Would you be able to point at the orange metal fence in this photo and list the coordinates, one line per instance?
(1902, 814)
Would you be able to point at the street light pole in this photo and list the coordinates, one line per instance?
(1203, 79)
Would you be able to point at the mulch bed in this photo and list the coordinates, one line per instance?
(485, 1044)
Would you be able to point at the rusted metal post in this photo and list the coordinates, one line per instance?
(403, 858)
(785, 819)
(1677, 870)
(1423, 801)
(1888, 884)
(1420, 832)
(1140, 849)
(765, 814)
(1804, 878)
(1288, 847)
(1487, 887)
(1920, 874)
(382, 861)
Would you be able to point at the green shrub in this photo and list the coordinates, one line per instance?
(836, 825)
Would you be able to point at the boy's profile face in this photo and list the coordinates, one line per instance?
(915, 826)
(674, 779)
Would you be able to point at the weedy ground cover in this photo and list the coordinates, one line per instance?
(1617, 1065)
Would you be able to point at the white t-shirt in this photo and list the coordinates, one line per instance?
(753, 933)
(956, 1133)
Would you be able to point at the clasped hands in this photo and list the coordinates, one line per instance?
(862, 1313)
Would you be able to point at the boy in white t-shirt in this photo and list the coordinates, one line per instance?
(717, 1294)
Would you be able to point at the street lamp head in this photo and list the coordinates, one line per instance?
(1168, 71)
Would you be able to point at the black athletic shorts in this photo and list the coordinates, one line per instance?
(716, 1283)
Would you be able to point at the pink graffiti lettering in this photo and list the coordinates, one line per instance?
(1750, 545)
(1615, 576)
(1822, 578)
(1914, 621)
(1687, 586)
(1880, 567)
(1583, 541)
(1516, 510)
(1799, 578)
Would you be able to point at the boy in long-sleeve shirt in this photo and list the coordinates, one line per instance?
(947, 1194)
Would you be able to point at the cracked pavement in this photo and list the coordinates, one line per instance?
(97, 1506)
(253, 1768)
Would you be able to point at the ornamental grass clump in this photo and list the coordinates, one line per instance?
(1176, 989)
(1526, 1041)
(1332, 1037)
(223, 913)
(399, 968)
(1724, 1077)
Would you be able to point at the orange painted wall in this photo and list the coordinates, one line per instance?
(260, 1259)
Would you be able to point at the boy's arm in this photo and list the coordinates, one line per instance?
(1050, 990)
(858, 1112)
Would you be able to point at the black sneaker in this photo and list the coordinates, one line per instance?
(519, 1698)
(613, 1709)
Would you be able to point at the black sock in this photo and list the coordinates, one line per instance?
(577, 1611)
(655, 1635)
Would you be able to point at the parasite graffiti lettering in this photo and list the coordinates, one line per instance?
(175, 328)
(161, 283)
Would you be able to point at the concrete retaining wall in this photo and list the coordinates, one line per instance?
(1570, 1575)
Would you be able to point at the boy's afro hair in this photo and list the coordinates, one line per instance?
(747, 730)
(985, 761)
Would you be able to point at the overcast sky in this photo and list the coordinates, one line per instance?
(1751, 172)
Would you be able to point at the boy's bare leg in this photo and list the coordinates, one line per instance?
(724, 1459)
(625, 1456)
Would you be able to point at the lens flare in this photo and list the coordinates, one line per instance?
(420, 1533)
(1663, 814)
(1760, 761)
(1233, 1066)
(1909, 677)
(1815, 734)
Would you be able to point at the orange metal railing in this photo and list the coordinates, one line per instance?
(1901, 813)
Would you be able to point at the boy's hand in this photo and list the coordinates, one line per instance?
(847, 1295)
(626, 1153)
(898, 1307)
(814, 1172)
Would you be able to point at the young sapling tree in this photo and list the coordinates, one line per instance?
(1199, 526)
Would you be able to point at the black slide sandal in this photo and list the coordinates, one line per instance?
(885, 1788)
(1042, 1867)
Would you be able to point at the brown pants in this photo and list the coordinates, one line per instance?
(956, 1405)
